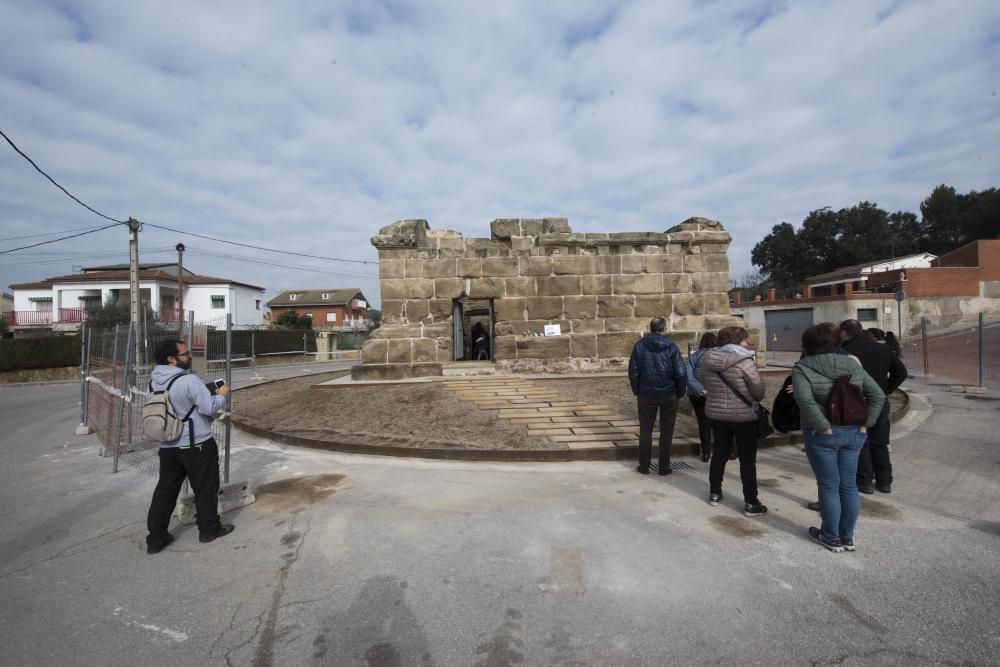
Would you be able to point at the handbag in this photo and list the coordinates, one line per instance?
(764, 427)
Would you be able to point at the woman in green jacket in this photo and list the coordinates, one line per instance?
(832, 449)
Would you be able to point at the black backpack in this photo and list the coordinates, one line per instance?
(784, 410)
(846, 405)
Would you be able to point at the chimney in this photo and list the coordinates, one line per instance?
(772, 294)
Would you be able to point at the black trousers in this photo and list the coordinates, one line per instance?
(743, 435)
(200, 465)
(648, 406)
(704, 425)
(874, 463)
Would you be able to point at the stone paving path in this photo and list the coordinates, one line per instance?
(545, 413)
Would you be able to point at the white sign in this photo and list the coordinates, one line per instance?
(553, 330)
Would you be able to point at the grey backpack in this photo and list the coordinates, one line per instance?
(160, 422)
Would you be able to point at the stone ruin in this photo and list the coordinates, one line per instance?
(601, 289)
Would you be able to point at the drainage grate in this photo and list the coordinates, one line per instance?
(674, 465)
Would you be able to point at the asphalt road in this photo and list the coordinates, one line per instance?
(350, 560)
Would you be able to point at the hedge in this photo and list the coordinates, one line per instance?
(48, 352)
(264, 341)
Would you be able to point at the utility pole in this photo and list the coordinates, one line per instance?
(180, 289)
(133, 277)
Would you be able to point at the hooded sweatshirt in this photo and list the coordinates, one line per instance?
(656, 367)
(813, 377)
(187, 391)
(737, 365)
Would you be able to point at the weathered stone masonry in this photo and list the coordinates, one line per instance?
(602, 289)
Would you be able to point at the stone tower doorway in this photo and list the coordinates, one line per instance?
(473, 315)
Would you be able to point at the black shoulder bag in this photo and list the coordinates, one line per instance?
(764, 427)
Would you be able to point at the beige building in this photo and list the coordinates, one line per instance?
(547, 299)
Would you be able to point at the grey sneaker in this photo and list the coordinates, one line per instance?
(714, 499)
(847, 543)
(754, 509)
(816, 535)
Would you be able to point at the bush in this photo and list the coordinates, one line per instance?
(48, 352)
(264, 342)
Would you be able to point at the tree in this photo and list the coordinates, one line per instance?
(293, 320)
(108, 315)
(951, 220)
(374, 318)
(781, 256)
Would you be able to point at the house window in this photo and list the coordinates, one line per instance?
(326, 295)
(331, 317)
(867, 314)
(292, 297)
(218, 301)
(257, 303)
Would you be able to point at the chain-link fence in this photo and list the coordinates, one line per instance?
(965, 350)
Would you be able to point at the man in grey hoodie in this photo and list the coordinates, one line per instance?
(194, 455)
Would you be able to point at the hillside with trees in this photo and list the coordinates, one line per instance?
(829, 239)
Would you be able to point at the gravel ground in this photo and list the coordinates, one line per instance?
(425, 414)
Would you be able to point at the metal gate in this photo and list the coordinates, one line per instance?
(785, 327)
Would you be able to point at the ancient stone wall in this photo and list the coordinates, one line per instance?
(602, 289)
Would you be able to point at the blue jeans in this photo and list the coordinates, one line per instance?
(834, 460)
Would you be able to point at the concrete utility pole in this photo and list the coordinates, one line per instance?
(180, 289)
(133, 278)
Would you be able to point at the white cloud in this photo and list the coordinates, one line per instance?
(309, 129)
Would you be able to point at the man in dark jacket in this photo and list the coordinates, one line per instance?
(879, 361)
(658, 378)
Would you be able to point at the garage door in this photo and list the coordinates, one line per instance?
(785, 327)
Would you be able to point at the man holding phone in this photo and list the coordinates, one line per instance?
(194, 455)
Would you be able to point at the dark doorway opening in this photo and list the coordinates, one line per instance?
(473, 321)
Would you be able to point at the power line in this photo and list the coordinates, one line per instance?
(280, 266)
(62, 238)
(35, 236)
(256, 247)
(67, 192)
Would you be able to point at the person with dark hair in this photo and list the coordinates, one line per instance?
(194, 455)
(697, 393)
(727, 373)
(893, 344)
(888, 371)
(832, 449)
(658, 380)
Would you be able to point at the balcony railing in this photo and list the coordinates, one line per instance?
(43, 318)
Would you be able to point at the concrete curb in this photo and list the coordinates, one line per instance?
(366, 445)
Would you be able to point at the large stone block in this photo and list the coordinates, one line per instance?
(485, 248)
(417, 309)
(689, 323)
(391, 268)
(613, 324)
(365, 372)
(520, 286)
(576, 265)
(535, 266)
(445, 352)
(597, 284)
(709, 282)
(684, 338)
(528, 327)
(500, 266)
(469, 267)
(617, 344)
(439, 308)
(717, 303)
(544, 307)
(426, 370)
(664, 263)
(484, 288)
(555, 226)
(557, 285)
(640, 283)
(675, 283)
(542, 347)
(392, 311)
(587, 326)
(392, 331)
(505, 347)
(440, 268)
(438, 330)
(415, 268)
(393, 288)
(580, 307)
(449, 288)
(583, 345)
(653, 305)
(706, 263)
(689, 304)
(374, 351)
(504, 228)
(424, 350)
(608, 263)
(615, 306)
(510, 308)
(401, 351)
(633, 263)
(395, 253)
(522, 244)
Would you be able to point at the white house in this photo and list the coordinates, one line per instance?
(61, 302)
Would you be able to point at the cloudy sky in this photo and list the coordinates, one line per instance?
(308, 126)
